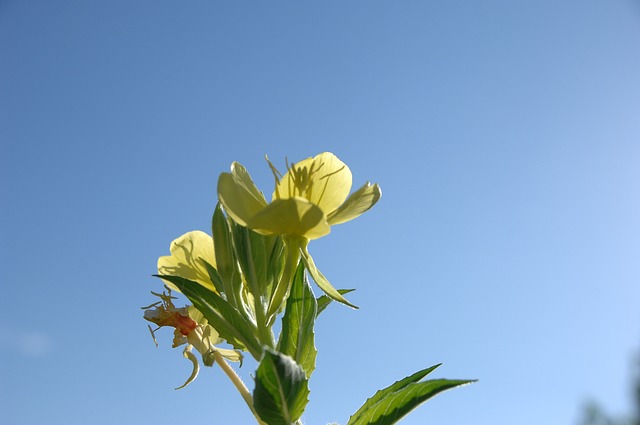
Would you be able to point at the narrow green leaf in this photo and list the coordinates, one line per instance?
(297, 337)
(232, 326)
(281, 391)
(260, 248)
(249, 250)
(324, 300)
(226, 263)
(283, 286)
(389, 405)
(322, 281)
(214, 276)
(276, 263)
(398, 385)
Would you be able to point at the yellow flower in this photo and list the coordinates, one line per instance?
(309, 198)
(188, 254)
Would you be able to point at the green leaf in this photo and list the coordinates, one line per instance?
(232, 326)
(324, 300)
(214, 276)
(281, 391)
(249, 248)
(297, 337)
(389, 405)
(320, 280)
(226, 264)
(282, 288)
(276, 263)
(252, 251)
(396, 386)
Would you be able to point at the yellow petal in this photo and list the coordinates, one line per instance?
(239, 195)
(333, 182)
(285, 188)
(185, 260)
(359, 202)
(327, 182)
(292, 217)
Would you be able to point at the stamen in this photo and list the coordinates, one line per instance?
(276, 173)
(291, 174)
(301, 179)
(309, 180)
(151, 305)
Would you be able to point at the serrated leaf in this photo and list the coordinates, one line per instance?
(232, 326)
(281, 391)
(389, 405)
(324, 300)
(297, 336)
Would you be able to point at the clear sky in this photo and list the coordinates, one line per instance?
(505, 136)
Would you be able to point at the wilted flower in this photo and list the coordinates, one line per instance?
(191, 328)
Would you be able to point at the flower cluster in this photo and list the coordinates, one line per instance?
(308, 199)
(254, 269)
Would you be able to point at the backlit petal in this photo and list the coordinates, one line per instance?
(328, 185)
(285, 188)
(185, 260)
(359, 202)
(292, 217)
(332, 182)
(239, 195)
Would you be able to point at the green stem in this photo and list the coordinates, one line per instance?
(280, 292)
(265, 334)
(237, 382)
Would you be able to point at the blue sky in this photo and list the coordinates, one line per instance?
(505, 136)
